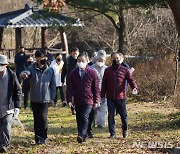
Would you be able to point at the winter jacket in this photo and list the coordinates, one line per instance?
(114, 83)
(14, 91)
(42, 83)
(86, 90)
(68, 66)
(20, 61)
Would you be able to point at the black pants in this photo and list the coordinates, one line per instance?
(120, 107)
(40, 111)
(82, 118)
(91, 121)
(61, 91)
(26, 97)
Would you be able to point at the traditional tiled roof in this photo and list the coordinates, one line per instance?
(27, 17)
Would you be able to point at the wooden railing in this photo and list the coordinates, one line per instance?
(10, 53)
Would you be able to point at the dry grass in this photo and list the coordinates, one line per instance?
(148, 122)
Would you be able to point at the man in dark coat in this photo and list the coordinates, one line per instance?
(10, 92)
(114, 89)
(83, 86)
(20, 61)
(42, 93)
(69, 64)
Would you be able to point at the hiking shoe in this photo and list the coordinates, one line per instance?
(112, 136)
(79, 139)
(125, 133)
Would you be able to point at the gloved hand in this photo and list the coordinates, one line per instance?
(16, 112)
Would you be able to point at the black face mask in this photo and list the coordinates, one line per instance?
(58, 59)
(21, 53)
(115, 64)
(30, 62)
(43, 61)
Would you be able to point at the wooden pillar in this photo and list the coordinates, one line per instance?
(18, 38)
(43, 37)
(1, 36)
(64, 42)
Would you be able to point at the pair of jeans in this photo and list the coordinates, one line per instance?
(5, 129)
(40, 111)
(61, 91)
(82, 119)
(118, 106)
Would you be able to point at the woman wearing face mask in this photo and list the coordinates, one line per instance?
(98, 116)
(42, 93)
(57, 65)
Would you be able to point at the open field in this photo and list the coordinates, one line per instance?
(149, 124)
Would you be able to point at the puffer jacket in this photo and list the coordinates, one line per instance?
(86, 90)
(114, 83)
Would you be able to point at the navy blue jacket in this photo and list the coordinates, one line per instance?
(20, 61)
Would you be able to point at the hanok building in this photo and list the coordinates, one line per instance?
(33, 17)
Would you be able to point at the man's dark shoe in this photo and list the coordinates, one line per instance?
(73, 113)
(55, 104)
(100, 126)
(79, 139)
(125, 133)
(64, 103)
(41, 141)
(3, 149)
(90, 136)
(112, 136)
(84, 138)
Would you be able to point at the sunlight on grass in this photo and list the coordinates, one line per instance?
(146, 123)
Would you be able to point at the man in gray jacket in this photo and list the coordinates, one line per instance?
(10, 92)
(42, 93)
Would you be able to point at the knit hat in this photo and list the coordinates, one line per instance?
(101, 54)
(3, 60)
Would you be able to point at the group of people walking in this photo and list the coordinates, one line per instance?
(92, 89)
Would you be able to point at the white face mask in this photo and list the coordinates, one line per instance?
(100, 64)
(82, 65)
(120, 61)
(2, 68)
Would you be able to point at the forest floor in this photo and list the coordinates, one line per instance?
(153, 128)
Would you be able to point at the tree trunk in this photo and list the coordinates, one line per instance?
(64, 42)
(18, 38)
(175, 7)
(1, 36)
(43, 37)
(121, 33)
